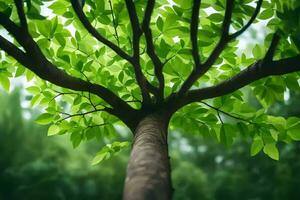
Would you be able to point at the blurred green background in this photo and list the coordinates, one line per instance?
(34, 166)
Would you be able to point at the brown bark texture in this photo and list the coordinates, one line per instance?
(148, 172)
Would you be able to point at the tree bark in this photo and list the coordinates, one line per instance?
(148, 171)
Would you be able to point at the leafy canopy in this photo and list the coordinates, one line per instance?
(60, 30)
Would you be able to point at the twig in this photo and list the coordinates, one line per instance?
(114, 22)
(96, 125)
(219, 116)
(78, 114)
(80, 14)
(226, 113)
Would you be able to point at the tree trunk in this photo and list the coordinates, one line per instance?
(148, 171)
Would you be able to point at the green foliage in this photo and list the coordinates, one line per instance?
(34, 167)
(53, 130)
(109, 150)
(66, 43)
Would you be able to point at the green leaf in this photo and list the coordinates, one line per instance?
(257, 53)
(44, 119)
(61, 40)
(185, 4)
(160, 24)
(226, 134)
(59, 7)
(294, 133)
(33, 89)
(54, 26)
(53, 130)
(5, 9)
(20, 71)
(4, 81)
(272, 151)
(256, 146)
(34, 13)
(109, 150)
(76, 138)
(266, 14)
(68, 15)
(99, 157)
(77, 36)
(216, 17)
(77, 100)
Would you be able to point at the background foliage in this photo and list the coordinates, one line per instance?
(33, 166)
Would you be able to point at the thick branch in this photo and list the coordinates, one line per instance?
(158, 65)
(11, 27)
(22, 37)
(79, 12)
(49, 72)
(252, 73)
(14, 52)
(260, 69)
(34, 60)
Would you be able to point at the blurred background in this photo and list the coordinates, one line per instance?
(34, 166)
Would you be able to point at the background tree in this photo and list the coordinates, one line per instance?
(201, 167)
(143, 74)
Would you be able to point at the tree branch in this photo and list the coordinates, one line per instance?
(194, 32)
(226, 113)
(271, 51)
(34, 60)
(51, 73)
(135, 26)
(252, 73)
(21, 14)
(158, 65)
(22, 37)
(96, 125)
(114, 22)
(79, 12)
(253, 17)
(136, 34)
(198, 72)
(260, 69)
(12, 28)
(225, 39)
(13, 51)
(224, 36)
(79, 114)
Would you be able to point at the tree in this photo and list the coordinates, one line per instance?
(98, 62)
